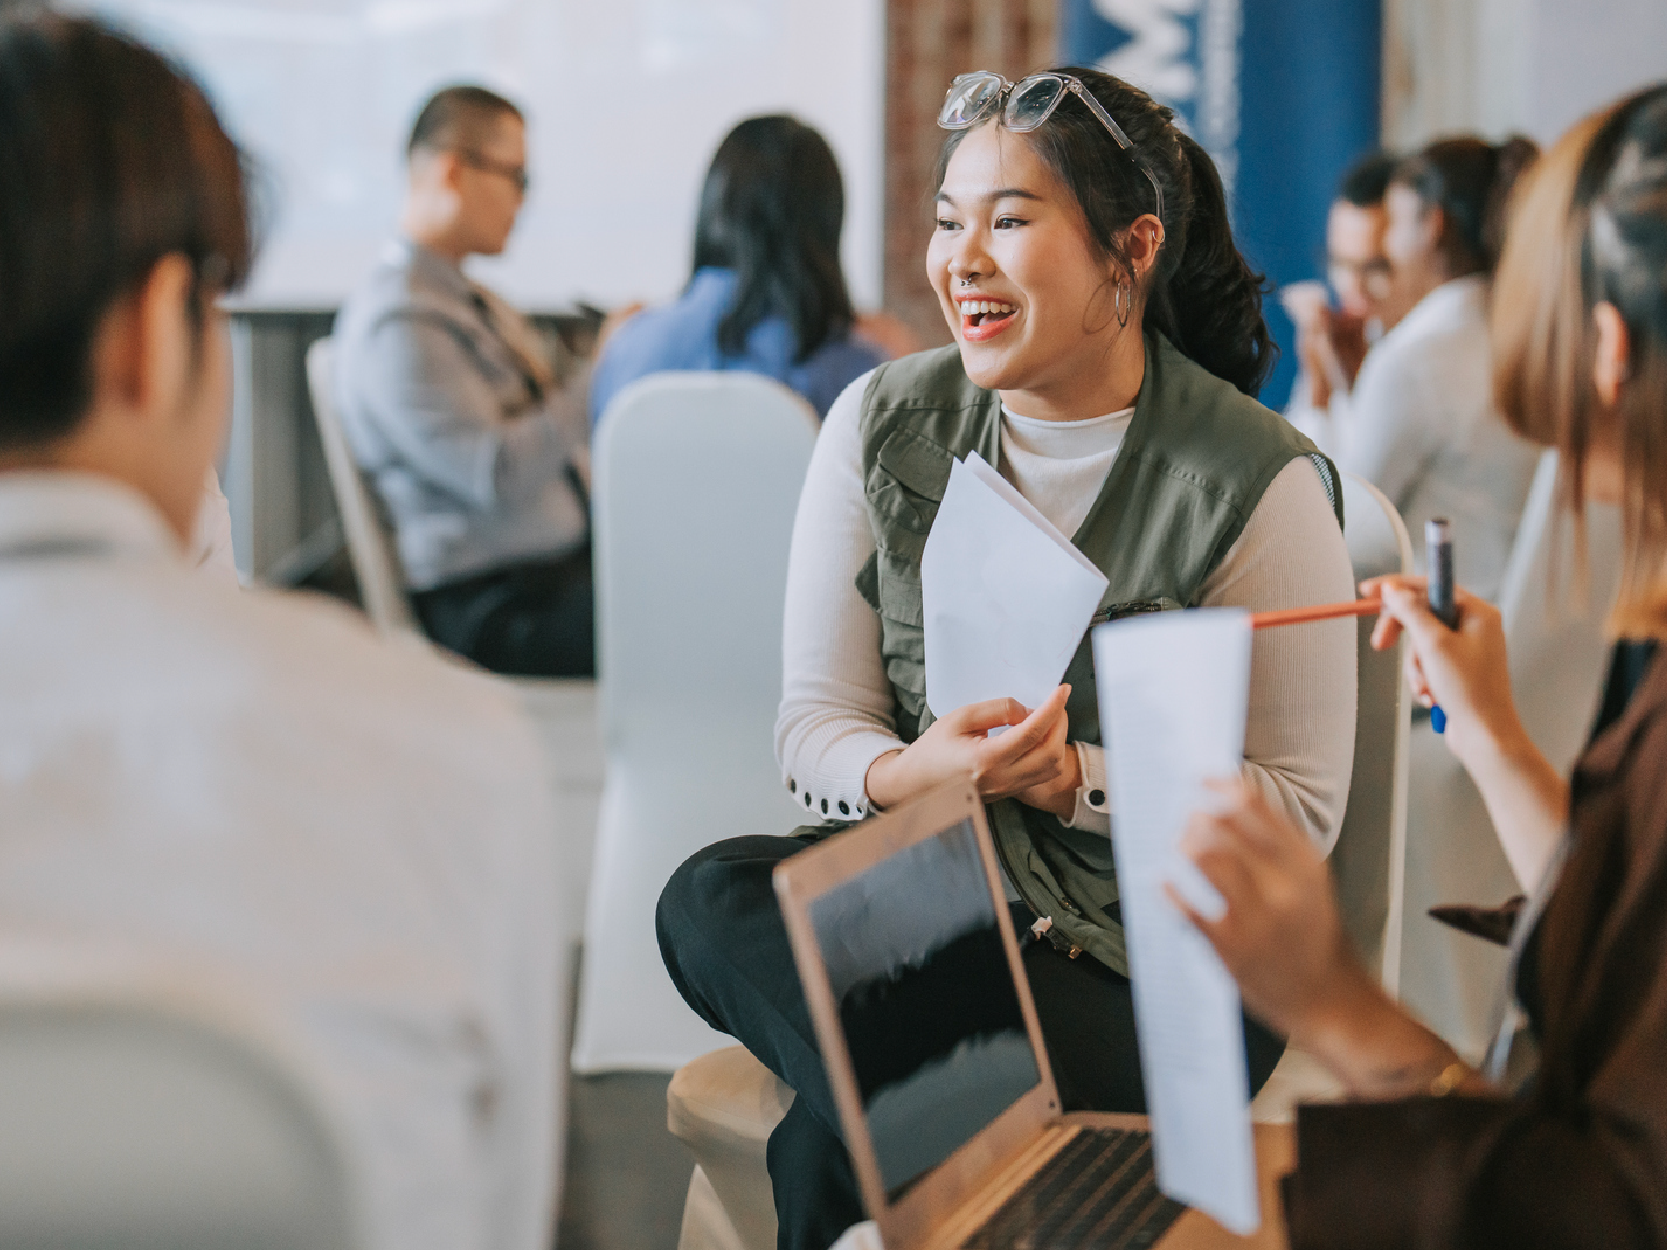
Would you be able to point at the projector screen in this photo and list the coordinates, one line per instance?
(626, 100)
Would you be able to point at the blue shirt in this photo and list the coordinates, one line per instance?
(684, 335)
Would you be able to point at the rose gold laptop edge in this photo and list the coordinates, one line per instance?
(949, 1202)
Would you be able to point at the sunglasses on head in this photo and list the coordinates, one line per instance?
(1025, 105)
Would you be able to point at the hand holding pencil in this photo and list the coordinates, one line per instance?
(1455, 661)
(1440, 592)
(1464, 670)
(1321, 612)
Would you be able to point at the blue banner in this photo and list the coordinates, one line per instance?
(1284, 94)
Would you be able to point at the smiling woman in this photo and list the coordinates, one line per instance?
(1151, 216)
(1108, 337)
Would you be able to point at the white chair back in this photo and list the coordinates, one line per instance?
(1368, 862)
(697, 479)
(369, 547)
(1558, 649)
(148, 1124)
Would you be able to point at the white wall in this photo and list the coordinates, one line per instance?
(1501, 65)
(1588, 52)
(626, 101)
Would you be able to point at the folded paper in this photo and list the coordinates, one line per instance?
(1173, 689)
(1006, 597)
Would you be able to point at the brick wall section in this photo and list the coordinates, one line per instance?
(928, 42)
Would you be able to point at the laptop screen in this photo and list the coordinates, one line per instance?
(926, 1000)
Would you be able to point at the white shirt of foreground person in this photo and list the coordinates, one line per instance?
(358, 833)
(1422, 427)
(211, 539)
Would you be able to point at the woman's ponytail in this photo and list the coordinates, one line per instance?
(1201, 294)
(1511, 160)
(1470, 181)
(1207, 299)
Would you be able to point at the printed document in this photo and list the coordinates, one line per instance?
(1006, 597)
(1173, 690)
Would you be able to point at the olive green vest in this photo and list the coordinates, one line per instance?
(1196, 458)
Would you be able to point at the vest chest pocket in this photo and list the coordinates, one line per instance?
(906, 485)
(898, 591)
(1135, 607)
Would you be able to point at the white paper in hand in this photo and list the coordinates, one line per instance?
(1173, 692)
(1006, 596)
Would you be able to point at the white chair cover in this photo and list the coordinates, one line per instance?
(381, 584)
(1368, 862)
(1558, 657)
(697, 479)
(154, 1118)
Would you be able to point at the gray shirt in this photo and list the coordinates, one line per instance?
(450, 406)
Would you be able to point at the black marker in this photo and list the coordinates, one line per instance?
(1438, 559)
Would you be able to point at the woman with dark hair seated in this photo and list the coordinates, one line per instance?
(1109, 338)
(1578, 1156)
(768, 295)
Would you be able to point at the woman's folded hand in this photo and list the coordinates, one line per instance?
(1032, 758)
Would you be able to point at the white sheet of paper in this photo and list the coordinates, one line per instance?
(1006, 596)
(1173, 690)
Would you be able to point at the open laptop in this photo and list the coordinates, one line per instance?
(949, 1108)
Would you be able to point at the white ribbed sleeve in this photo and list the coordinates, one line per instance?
(835, 716)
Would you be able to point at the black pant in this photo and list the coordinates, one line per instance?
(530, 620)
(726, 948)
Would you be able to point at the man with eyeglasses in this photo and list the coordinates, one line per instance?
(1332, 339)
(452, 407)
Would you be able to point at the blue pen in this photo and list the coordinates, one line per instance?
(1438, 558)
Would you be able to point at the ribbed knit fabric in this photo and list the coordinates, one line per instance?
(835, 717)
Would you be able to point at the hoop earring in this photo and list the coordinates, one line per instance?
(1124, 305)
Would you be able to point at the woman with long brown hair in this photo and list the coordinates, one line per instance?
(1578, 1156)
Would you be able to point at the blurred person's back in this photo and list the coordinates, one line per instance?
(767, 294)
(1421, 424)
(202, 776)
(195, 771)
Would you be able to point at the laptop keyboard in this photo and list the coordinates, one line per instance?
(1099, 1191)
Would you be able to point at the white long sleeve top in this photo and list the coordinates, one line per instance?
(836, 716)
(356, 834)
(1422, 427)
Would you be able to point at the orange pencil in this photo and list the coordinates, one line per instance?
(1321, 612)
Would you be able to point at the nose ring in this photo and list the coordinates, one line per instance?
(966, 281)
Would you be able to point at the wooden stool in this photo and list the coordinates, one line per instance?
(724, 1106)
